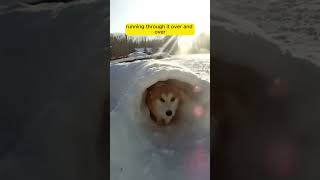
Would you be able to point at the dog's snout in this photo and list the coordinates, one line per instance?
(168, 113)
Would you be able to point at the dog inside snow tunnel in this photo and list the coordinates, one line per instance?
(172, 100)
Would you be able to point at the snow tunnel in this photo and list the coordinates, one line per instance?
(140, 148)
(189, 105)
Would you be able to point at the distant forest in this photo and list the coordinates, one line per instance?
(122, 45)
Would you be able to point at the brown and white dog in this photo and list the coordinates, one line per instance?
(165, 99)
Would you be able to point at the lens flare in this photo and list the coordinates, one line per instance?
(197, 165)
(198, 111)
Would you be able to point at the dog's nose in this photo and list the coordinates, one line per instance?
(168, 113)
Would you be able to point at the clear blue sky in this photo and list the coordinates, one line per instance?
(159, 11)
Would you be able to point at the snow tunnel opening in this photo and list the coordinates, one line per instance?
(181, 97)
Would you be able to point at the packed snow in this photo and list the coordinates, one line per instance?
(140, 149)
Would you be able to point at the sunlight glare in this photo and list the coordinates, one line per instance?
(165, 11)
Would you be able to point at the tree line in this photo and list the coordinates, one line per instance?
(121, 45)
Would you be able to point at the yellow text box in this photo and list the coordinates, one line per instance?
(159, 29)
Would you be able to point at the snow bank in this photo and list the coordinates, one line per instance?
(139, 148)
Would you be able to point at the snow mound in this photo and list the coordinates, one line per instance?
(140, 149)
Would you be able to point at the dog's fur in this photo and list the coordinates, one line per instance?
(162, 98)
(166, 96)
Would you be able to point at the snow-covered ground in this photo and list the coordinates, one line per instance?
(139, 148)
(293, 24)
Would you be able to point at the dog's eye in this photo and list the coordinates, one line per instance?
(162, 100)
(172, 99)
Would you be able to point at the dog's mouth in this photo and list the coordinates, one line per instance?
(162, 120)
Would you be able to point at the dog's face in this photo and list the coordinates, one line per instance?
(166, 105)
(163, 101)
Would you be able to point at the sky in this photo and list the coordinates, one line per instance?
(159, 11)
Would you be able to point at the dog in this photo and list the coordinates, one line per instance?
(164, 101)
(168, 100)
